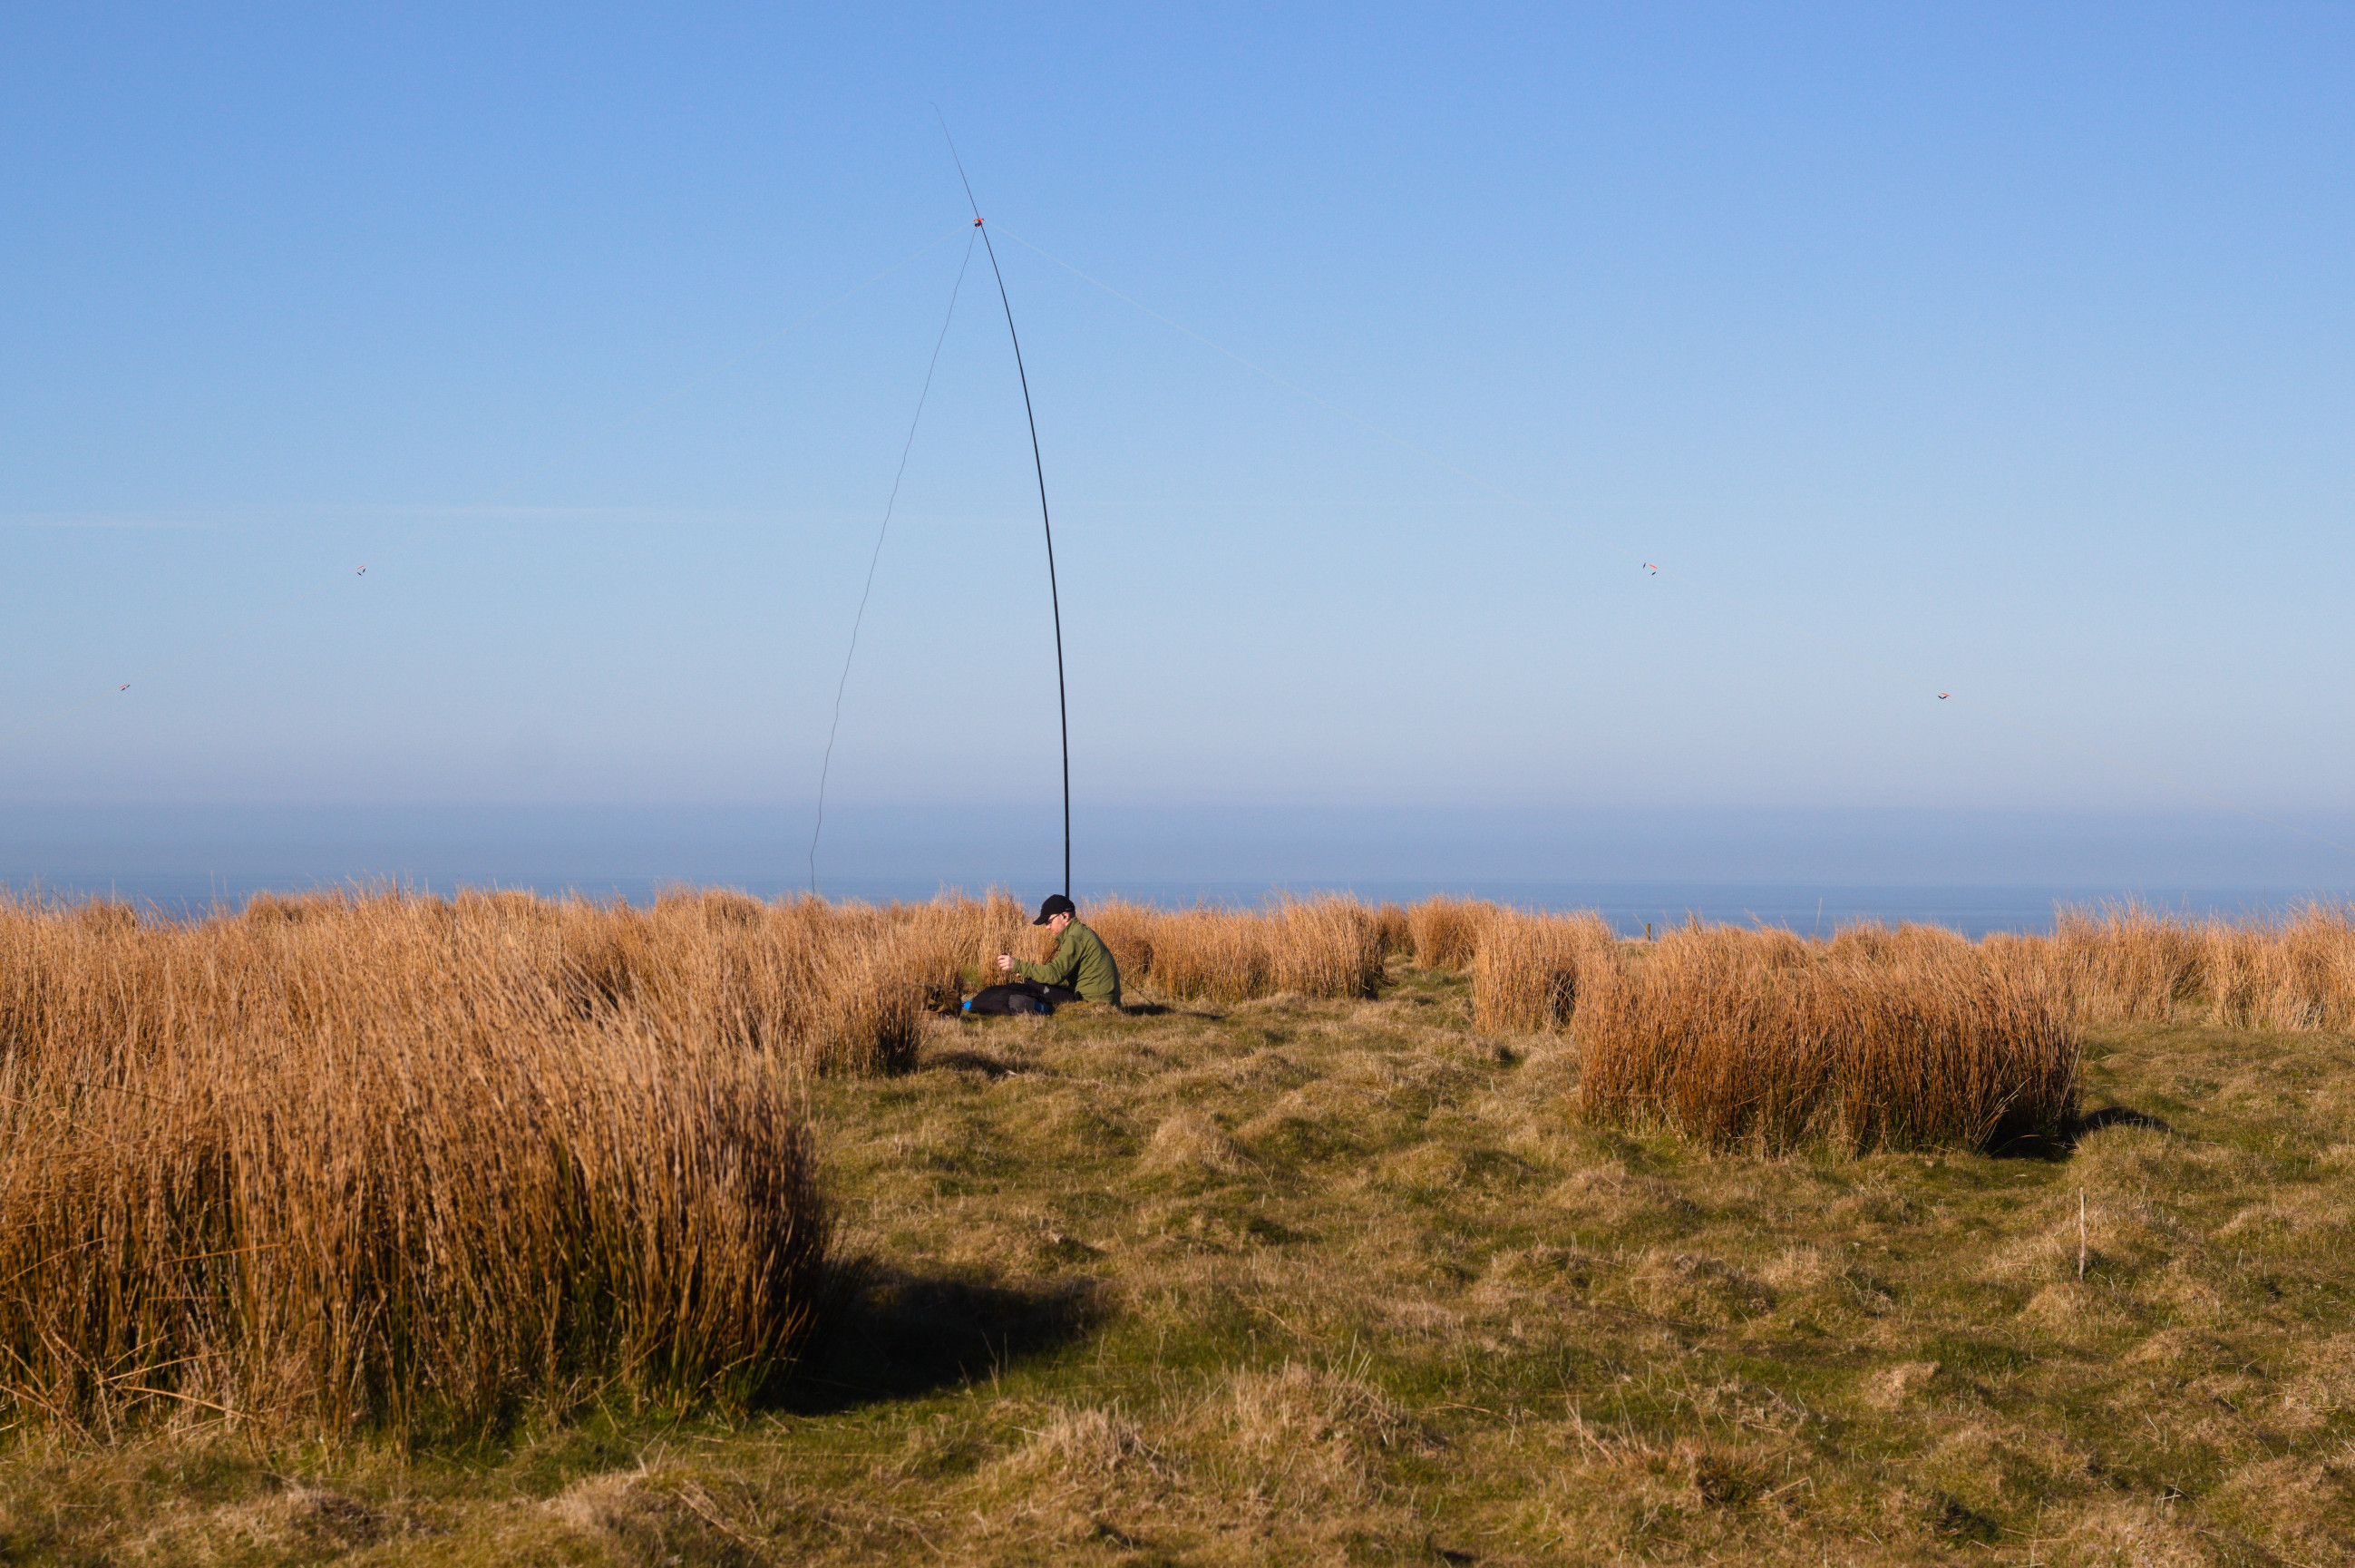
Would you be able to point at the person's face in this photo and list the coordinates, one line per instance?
(1055, 923)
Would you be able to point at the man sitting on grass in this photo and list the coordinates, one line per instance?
(1082, 969)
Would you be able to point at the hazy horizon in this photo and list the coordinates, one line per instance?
(1977, 871)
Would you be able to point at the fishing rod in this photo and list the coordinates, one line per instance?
(1062, 703)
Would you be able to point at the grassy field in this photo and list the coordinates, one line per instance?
(1290, 1279)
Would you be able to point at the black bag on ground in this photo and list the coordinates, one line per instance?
(1020, 997)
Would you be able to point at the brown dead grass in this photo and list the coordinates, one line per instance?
(1742, 1039)
(2128, 964)
(398, 1163)
(367, 1158)
(1525, 968)
(1294, 1280)
(1446, 932)
(1325, 946)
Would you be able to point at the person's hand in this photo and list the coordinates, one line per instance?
(1006, 964)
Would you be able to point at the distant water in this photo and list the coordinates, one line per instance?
(1807, 910)
(1807, 871)
(1804, 908)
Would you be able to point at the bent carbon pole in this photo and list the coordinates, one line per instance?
(1062, 705)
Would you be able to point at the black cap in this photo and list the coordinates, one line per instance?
(1056, 904)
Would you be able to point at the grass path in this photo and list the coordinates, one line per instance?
(1331, 1282)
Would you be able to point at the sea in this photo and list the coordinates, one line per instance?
(1811, 873)
(1632, 908)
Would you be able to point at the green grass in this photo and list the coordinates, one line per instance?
(1336, 1282)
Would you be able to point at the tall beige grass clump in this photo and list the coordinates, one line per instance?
(829, 989)
(2298, 974)
(1527, 968)
(947, 946)
(386, 1163)
(1214, 955)
(2128, 963)
(1324, 946)
(995, 923)
(1872, 942)
(1744, 1039)
(1446, 932)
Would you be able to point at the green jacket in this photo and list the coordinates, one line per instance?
(1082, 962)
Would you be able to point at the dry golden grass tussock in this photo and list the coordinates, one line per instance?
(1748, 1039)
(826, 987)
(1446, 932)
(1873, 943)
(2126, 963)
(2129, 964)
(1324, 946)
(365, 1157)
(1526, 969)
(1319, 1281)
(1220, 955)
(385, 1161)
(971, 933)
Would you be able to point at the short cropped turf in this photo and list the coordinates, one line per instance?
(1348, 1281)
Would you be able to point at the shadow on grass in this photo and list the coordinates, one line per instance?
(2114, 1117)
(2059, 1145)
(886, 1334)
(964, 1061)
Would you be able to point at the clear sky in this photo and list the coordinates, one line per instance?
(2002, 350)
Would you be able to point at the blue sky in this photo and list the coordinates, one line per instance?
(2009, 351)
